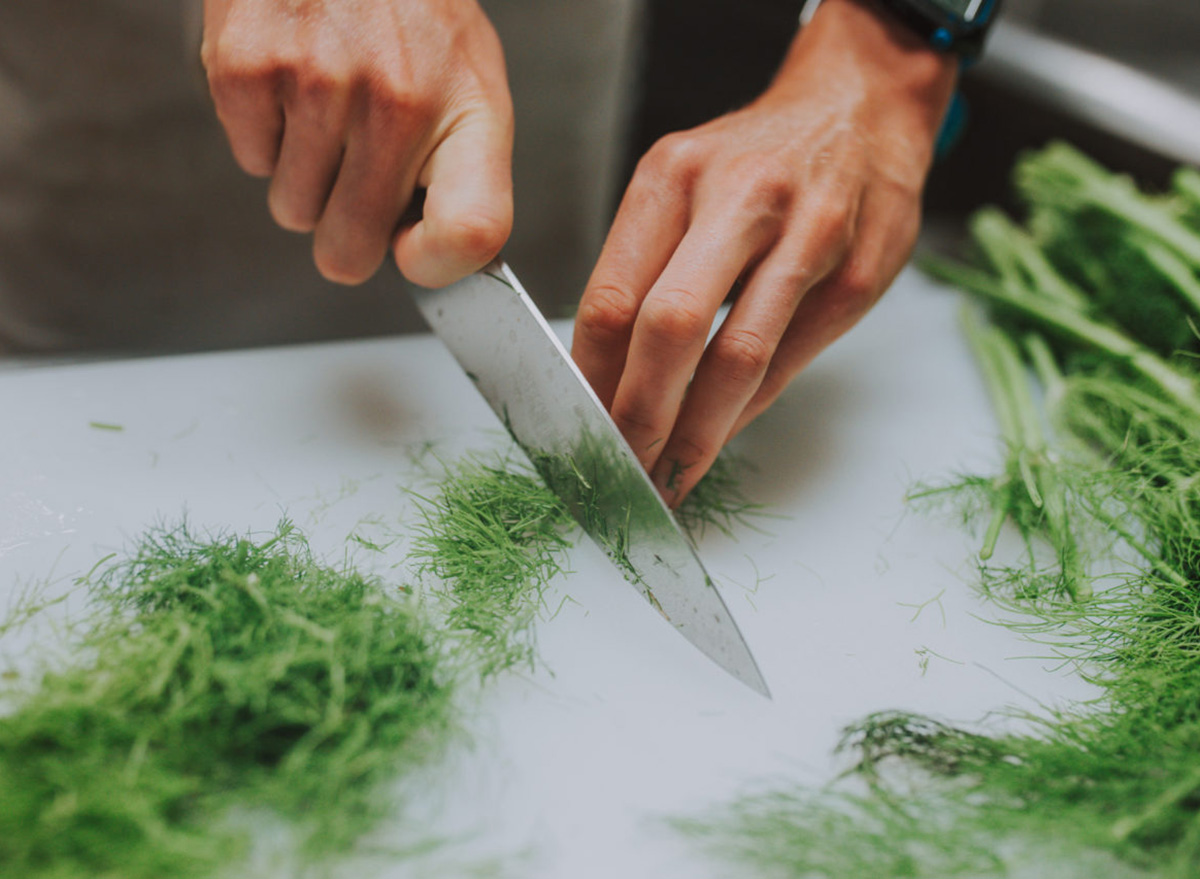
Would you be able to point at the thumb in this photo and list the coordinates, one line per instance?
(468, 207)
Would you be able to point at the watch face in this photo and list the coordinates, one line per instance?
(964, 10)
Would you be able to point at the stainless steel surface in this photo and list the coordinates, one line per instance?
(511, 354)
(1111, 96)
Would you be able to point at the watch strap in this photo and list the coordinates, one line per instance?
(943, 29)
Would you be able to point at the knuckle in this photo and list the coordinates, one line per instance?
(673, 319)
(606, 314)
(766, 186)
(673, 156)
(689, 450)
(836, 217)
(825, 235)
(798, 278)
(637, 422)
(395, 102)
(741, 355)
(303, 75)
(857, 287)
(477, 237)
(232, 68)
(317, 83)
(903, 189)
(217, 54)
(209, 58)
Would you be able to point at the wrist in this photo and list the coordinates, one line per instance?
(862, 34)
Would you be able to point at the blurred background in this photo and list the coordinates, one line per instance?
(125, 225)
(1159, 36)
(1119, 78)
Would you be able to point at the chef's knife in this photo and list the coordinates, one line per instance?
(507, 349)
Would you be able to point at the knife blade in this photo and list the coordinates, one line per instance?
(508, 350)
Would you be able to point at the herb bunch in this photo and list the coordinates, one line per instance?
(1096, 297)
(209, 674)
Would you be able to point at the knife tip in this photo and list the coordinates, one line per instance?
(757, 683)
(743, 667)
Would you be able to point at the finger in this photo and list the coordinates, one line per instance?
(253, 123)
(886, 235)
(309, 156)
(673, 323)
(468, 206)
(649, 225)
(736, 360)
(246, 99)
(374, 183)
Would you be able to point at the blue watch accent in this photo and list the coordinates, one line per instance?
(953, 126)
(958, 26)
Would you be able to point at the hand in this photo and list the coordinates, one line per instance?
(808, 200)
(348, 105)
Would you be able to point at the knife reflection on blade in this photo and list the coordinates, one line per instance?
(501, 340)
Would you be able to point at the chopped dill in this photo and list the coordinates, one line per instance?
(838, 835)
(604, 505)
(211, 673)
(719, 501)
(495, 536)
(216, 683)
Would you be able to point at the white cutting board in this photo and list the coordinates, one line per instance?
(570, 769)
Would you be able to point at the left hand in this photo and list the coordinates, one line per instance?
(809, 199)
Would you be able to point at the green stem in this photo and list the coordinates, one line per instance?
(992, 231)
(1180, 274)
(992, 535)
(1186, 183)
(1054, 385)
(1077, 328)
(1019, 260)
(983, 342)
(1093, 185)
(1155, 559)
(1025, 413)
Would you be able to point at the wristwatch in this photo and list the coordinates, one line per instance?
(958, 26)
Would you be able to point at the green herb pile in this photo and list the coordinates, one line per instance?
(1096, 296)
(219, 683)
(494, 536)
(209, 674)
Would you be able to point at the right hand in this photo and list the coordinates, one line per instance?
(349, 106)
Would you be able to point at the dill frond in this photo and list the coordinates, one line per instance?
(494, 537)
(211, 673)
(719, 501)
